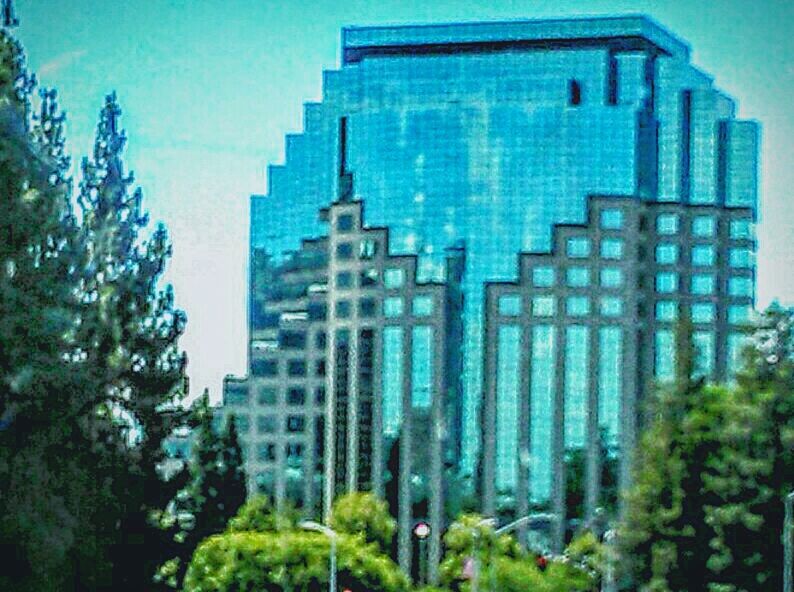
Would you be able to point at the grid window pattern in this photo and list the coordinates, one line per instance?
(702, 284)
(612, 219)
(666, 254)
(611, 277)
(611, 306)
(703, 255)
(394, 278)
(510, 305)
(666, 311)
(666, 282)
(612, 248)
(422, 306)
(577, 306)
(544, 306)
(704, 226)
(578, 247)
(393, 307)
(578, 277)
(543, 277)
(667, 224)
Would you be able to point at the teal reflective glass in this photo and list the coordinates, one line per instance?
(611, 306)
(610, 382)
(703, 255)
(666, 253)
(664, 354)
(578, 277)
(394, 278)
(541, 407)
(421, 367)
(611, 248)
(704, 352)
(741, 257)
(667, 224)
(666, 310)
(510, 305)
(741, 229)
(739, 314)
(578, 247)
(611, 277)
(702, 284)
(666, 282)
(704, 226)
(392, 378)
(702, 312)
(422, 306)
(740, 287)
(392, 307)
(544, 306)
(242, 423)
(577, 380)
(737, 343)
(543, 277)
(577, 306)
(507, 399)
(612, 219)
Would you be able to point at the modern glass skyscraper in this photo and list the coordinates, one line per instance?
(491, 133)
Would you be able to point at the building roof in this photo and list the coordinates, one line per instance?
(626, 32)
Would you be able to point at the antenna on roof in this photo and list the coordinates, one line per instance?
(10, 19)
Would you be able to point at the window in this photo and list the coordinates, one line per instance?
(578, 247)
(296, 396)
(422, 306)
(421, 366)
(666, 310)
(296, 424)
(344, 223)
(702, 284)
(392, 307)
(296, 368)
(343, 309)
(664, 354)
(611, 306)
(702, 312)
(319, 395)
(703, 255)
(611, 277)
(578, 277)
(266, 452)
(319, 340)
(667, 224)
(292, 339)
(344, 279)
(294, 454)
(741, 229)
(612, 248)
(666, 253)
(510, 305)
(739, 315)
(264, 367)
(368, 277)
(543, 277)
(317, 311)
(574, 92)
(266, 395)
(704, 226)
(366, 308)
(611, 219)
(367, 248)
(344, 251)
(242, 423)
(266, 424)
(544, 306)
(741, 258)
(666, 282)
(740, 287)
(319, 368)
(577, 306)
(236, 394)
(394, 278)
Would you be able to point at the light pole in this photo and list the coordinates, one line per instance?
(608, 583)
(321, 528)
(422, 531)
(491, 522)
(787, 551)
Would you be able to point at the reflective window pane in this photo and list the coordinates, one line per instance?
(394, 278)
(392, 307)
(612, 248)
(578, 247)
(704, 226)
(611, 277)
(510, 305)
(578, 277)
(702, 284)
(666, 253)
(612, 219)
(703, 255)
(666, 283)
(577, 306)
(422, 306)
(543, 306)
(543, 277)
(667, 224)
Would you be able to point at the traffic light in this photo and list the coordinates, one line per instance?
(541, 562)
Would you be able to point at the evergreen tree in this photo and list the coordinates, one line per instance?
(232, 466)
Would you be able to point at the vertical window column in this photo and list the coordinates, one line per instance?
(507, 381)
(541, 408)
(392, 380)
(576, 385)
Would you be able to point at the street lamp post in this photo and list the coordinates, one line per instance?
(422, 531)
(787, 550)
(608, 583)
(332, 536)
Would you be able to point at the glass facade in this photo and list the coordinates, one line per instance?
(440, 144)
(610, 382)
(421, 367)
(577, 377)
(541, 404)
(507, 381)
(392, 379)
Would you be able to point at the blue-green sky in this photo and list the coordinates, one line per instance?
(209, 88)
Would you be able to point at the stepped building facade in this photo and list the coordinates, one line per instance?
(514, 139)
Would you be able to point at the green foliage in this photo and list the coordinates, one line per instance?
(258, 515)
(713, 467)
(290, 560)
(364, 514)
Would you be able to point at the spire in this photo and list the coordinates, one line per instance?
(10, 19)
